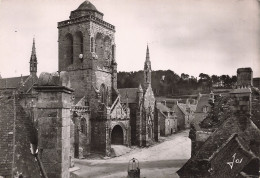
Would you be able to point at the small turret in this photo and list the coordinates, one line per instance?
(33, 60)
(140, 94)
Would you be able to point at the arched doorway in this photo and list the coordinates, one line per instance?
(117, 135)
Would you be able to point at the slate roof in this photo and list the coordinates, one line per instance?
(17, 131)
(13, 82)
(6, 135)
(203, 101)
(131, 93)
(193, 107)
(221, 137)
(234, 143)
(182, 108)
(163, 108)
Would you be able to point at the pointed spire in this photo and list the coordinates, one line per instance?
(147, 70)
(33, 55)
(140, 89)
(147, 54)
(33, 59)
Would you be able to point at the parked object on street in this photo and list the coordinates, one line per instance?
(133, 169)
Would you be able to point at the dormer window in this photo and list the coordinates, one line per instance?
(205, 109)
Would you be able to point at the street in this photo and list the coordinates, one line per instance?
(160, 160)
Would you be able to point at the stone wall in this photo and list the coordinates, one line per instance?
(162, 123)
(133, 111)
(180, 118)
(16, 133)
(6, 133)
(54, 103)
(256, 82)
(99, 135)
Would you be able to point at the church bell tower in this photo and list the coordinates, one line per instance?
(87, 52)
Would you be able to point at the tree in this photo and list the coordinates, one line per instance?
(185, 76)
(215, 78)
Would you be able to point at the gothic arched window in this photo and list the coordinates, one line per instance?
(103, 93)
(107, 48)
(83, 125)
(78, 44)
(113, 51)
(99, 49)
(68, 49)
(91, 44)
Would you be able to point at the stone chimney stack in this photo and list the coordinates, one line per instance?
(54, 103)
(242, 94)
(244, 77)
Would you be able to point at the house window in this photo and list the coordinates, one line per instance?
(92, 44)
(83, 125)
(205, 109)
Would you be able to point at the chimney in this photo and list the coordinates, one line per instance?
(164, 102)
(242, 94)
(244, 77)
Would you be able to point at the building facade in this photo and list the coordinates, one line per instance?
(141, 101)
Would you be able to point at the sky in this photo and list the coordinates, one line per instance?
(185, 36)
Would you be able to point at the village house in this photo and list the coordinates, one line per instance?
(184, 113)
(227, 142)
(167, 120)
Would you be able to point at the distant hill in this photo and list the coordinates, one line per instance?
(168, 83)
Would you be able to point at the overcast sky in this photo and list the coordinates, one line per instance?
(186, 36)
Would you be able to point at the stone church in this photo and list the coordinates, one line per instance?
(77, 110)
(141, 101)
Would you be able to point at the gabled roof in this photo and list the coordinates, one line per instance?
(193, 107)
(182, 108)
(202, 102)
(233, 145)
(229, 127)
(28, 84)
(221, 137)
(130, 93)
(13, 82)
(24, 83)
(163, 108)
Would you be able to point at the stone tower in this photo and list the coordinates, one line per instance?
(87, 52)
(33, 60)
(147, 70)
